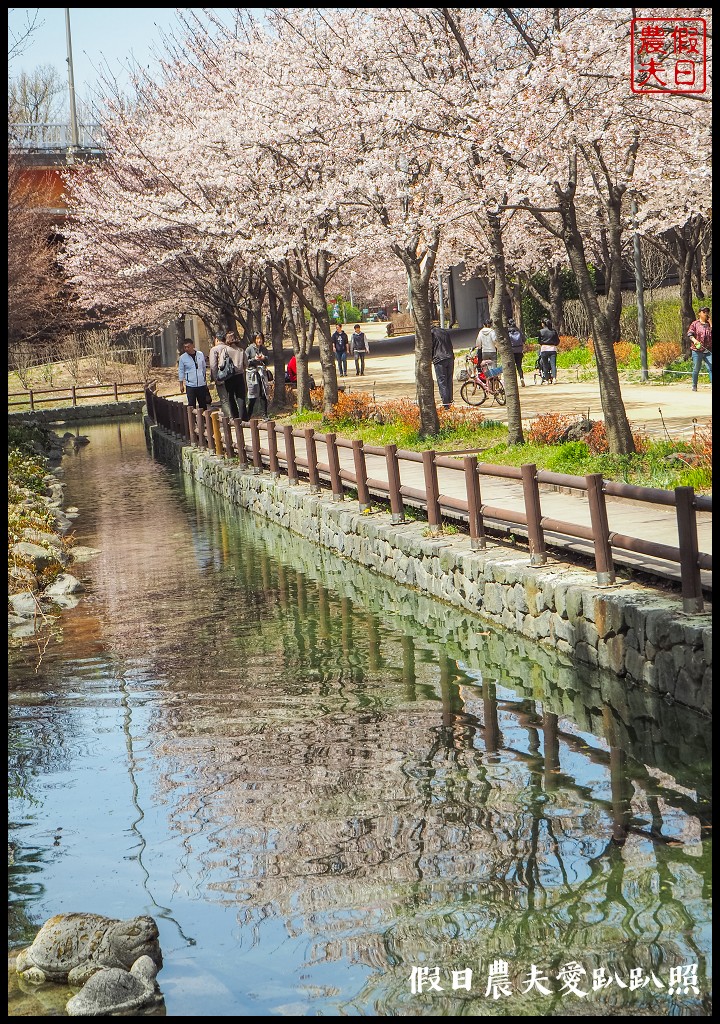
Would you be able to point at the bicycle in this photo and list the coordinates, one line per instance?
(483, 382)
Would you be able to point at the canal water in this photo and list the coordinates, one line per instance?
(335, 796)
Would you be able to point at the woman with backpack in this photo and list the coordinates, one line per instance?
(549, 343)
(517, 341)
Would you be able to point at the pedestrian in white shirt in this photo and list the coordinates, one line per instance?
(486, 343)
(192, 371)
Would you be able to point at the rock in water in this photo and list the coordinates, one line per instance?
(113, 991)
(72, 947)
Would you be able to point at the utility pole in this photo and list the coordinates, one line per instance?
(74, 139)
(639, 293)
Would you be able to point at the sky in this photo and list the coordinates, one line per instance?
(101, 36)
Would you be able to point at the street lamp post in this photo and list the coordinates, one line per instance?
(74, 140)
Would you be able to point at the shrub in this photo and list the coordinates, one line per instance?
(629, 324)
(570, 457)
(574, 357)
(597, 441)
(352, 408)
(664, 352)
(548, 428)
(701, 445)
(625, 353)
(26, 470)
(667, 322)
(568, 342)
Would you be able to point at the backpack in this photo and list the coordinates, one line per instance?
(514, 336)
(226, 368)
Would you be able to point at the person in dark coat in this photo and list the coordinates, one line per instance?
(443, 359)
(340, 344)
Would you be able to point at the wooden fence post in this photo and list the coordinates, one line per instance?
(397, 509)
(217, 439)
(200, 420)
(240, 441)
(190, 426)
(272, 449)
(604, 567)
(32, 401)
(688, 543)
(334, 464)
(74, 396)
(311, 449)
(475, 518)
(227, 437)
(292, 471)
(531, 493)
(432, 492)
(361, 475)
(255, 443)
(115, 392)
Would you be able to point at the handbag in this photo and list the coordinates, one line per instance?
(269, 375)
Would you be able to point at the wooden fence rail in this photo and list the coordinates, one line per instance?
(218, 436)
(115, 393)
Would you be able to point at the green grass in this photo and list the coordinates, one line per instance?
(646, 469)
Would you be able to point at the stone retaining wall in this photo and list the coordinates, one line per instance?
(634, 632)
(80, 413)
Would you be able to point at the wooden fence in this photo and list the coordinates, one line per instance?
(213, 431)
(112, 392)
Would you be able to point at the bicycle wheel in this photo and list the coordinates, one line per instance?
(473, 393)
(499, 393)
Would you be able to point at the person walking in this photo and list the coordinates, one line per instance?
(517, 341)
(340, 344)
(192, 370)
(486, 344)
(700, 335)
(235, 385)
(359, 346)
(443, 359)
(222, 368)
(256, 356)
(549, 344)
(291, 372)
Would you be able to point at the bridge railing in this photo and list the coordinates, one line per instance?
(53, 137)
(229, 438)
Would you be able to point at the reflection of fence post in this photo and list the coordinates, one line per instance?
(432, 492)
(688, 543)
(334, 464)
(397, 511)
(311, 449)
(472, 486)
(292, 471)
(272, 449)
(601, 533)
(531, 492)
(361, 475)
(255, 443)
(240, 441)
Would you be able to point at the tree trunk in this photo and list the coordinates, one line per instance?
(613, 290)
(512, 388)
(619, 435)
(277, 323)
(556, 302)
(685, 272)
(425, 386)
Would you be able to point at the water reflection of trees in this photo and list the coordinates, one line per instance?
(380, 799)
(334, 752)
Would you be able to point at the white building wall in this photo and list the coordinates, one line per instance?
(471, 301)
